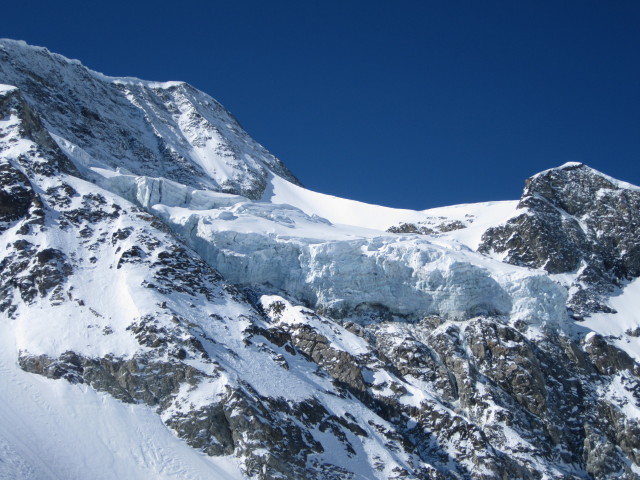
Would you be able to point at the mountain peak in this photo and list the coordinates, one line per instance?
(573, 187)
(153, 129)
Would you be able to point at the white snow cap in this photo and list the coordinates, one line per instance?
(6, 88)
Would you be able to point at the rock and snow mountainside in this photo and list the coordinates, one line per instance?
(168, 130)
(174, 305)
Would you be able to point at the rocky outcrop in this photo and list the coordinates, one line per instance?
(489, 385)
(434, 227)
(500, 382)
(17, 198)
(575, 220)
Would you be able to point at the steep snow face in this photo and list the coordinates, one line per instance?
(6, 89)
(157, 129)
(622, 324)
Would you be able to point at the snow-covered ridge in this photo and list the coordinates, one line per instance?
(154, 129)
(359, 214)
(21, 44)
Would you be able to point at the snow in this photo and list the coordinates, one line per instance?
(53, 430)
(4, 89)
(143, 83)
(78, 324)
(615, 325)
(358, 214)
(478, 217)
(335, 209)
(620, 392)
(564, 166)
(339, 338)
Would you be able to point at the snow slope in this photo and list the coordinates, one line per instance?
(477, 217)
(53, 430)
(616, 326)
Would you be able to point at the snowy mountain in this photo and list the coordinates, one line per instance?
(175, 305)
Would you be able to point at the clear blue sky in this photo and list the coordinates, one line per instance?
(410, 104)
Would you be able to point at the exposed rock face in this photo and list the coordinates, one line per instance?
(488, 385)
(17, 196)
(575, 219)
(335, 357)
(430, 228)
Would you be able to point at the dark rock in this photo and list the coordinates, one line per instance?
(49, 159)
(607, 359)
(17, 197)
(574, 218)
(428, 228)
